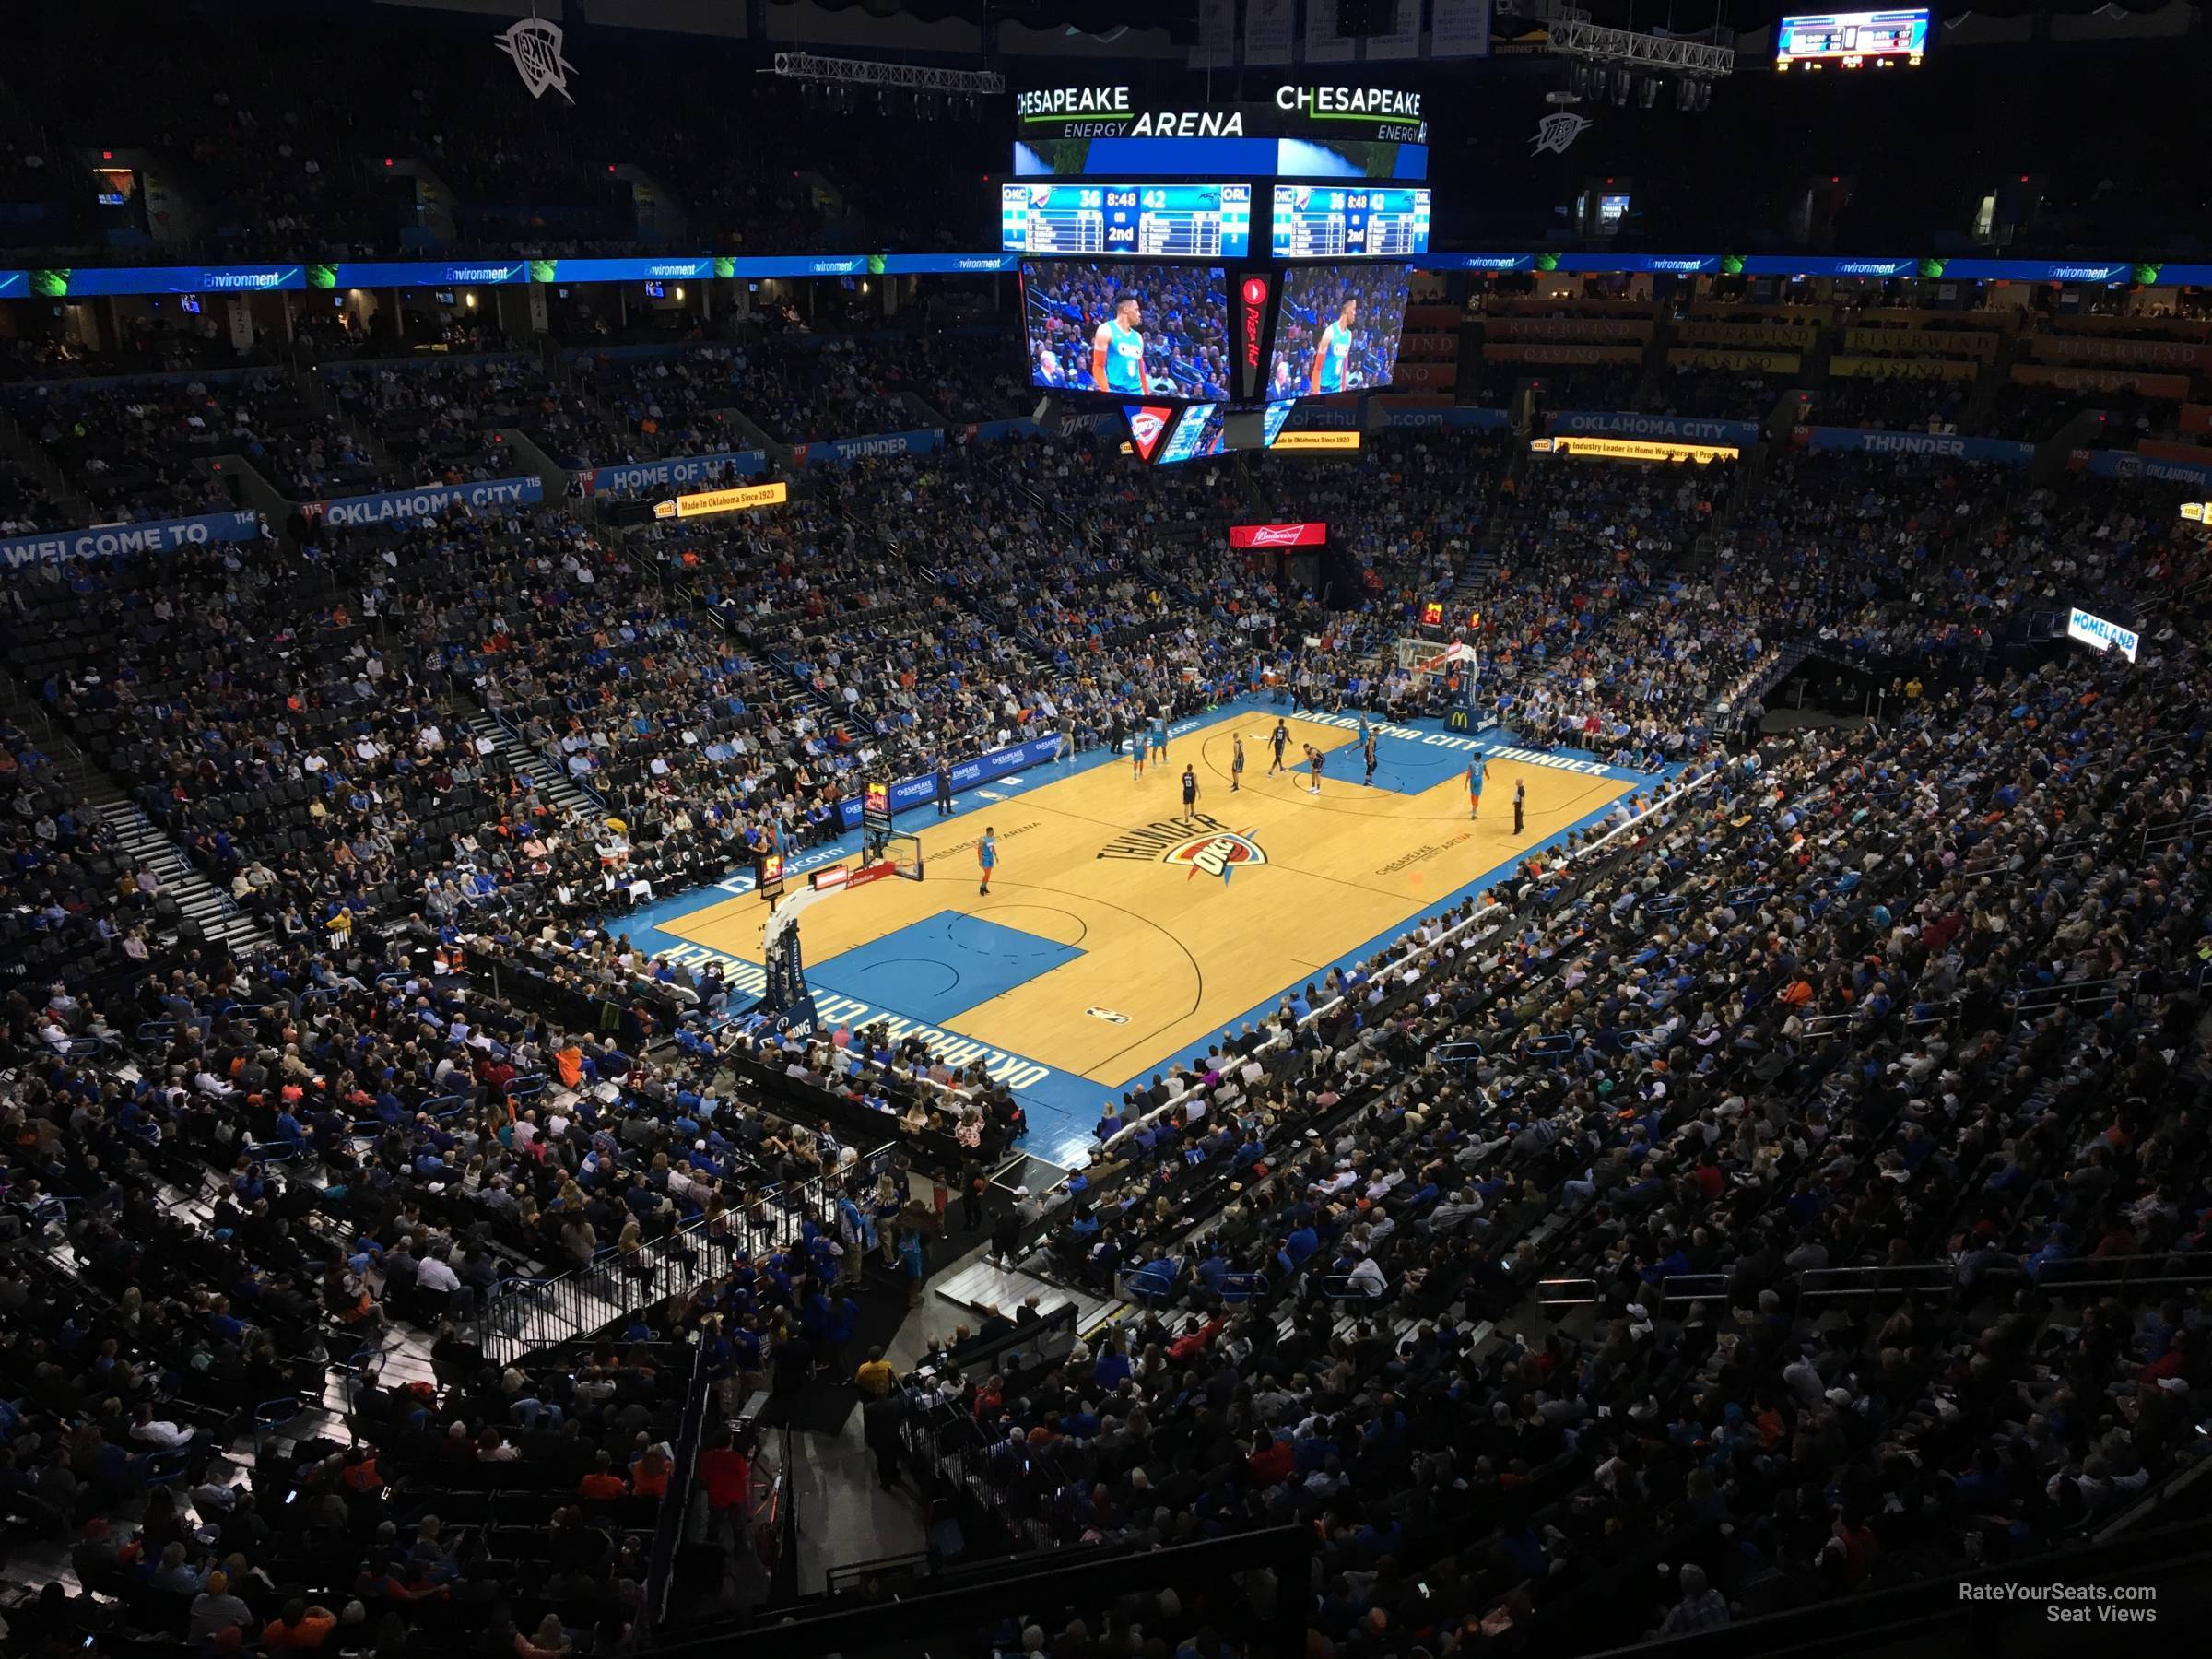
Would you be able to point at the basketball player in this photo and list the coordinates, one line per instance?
(1313, 760)
(1159, 740)
(1139, 741)
(1475, 787)
(986, 856)
(1281, 739)
(1368, 750)
(1236, 763)
(1117, 350)
(1333, 352)
(1190, 792)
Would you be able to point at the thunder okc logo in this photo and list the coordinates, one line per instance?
(1215, 853)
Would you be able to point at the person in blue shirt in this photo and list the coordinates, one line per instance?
(986, 857)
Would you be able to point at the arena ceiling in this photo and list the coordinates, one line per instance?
(1178, 17)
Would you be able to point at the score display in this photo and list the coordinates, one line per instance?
(1853, 40)
(1211, 221)
(1332, 221)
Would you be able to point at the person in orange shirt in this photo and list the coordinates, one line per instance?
(299, 1626)
(603, 1483)
(649, 1474)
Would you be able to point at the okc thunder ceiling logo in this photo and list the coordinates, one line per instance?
(534, 45)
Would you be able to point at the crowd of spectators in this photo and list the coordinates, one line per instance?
(1824, 1007)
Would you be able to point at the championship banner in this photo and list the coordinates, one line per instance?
(114, 541)
(2141, 382)
(499, 495)
(1278, 535)
(1904, 368)
(670, 473)
(1767, 362)
(1459, 28)
(711, 501)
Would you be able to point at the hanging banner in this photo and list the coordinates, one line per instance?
(2135, 354)
(1324, 44)
(1766, 362)
(1215, 44)
(114, 541)
(2140, 381)
(665, 474)
(843, 452)
(1568, 328)
(1557, 355)
(1459, 28)
(497, 495)
(1269, 31)
(1401, 40)
(1903, 368)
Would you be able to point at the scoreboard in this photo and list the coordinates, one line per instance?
(1332, 221)
(1202, 220)
(1853, 40)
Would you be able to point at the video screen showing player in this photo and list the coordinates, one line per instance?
(1127, 330)
(1336, 329)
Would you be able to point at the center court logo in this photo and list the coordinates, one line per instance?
(1197, 844)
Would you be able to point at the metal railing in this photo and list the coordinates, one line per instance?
(524, 1315)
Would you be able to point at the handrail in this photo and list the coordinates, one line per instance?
(524, 1315)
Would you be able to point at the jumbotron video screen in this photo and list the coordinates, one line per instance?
(1337, 328)
(1125, 329)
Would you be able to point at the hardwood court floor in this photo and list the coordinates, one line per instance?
(1110, 943)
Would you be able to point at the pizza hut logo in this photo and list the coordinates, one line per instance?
(1215, 851)
(1255, 306)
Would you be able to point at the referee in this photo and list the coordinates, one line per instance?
(1190, 791)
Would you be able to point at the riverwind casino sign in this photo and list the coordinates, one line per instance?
(1380, 113)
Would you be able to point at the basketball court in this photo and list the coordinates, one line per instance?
(1117, 937)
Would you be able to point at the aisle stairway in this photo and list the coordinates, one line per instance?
(535, 768)
(212, 910)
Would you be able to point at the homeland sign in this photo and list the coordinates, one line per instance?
(499, 495)
(113, 541)
(671, 472)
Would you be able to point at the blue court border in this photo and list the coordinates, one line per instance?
(1063, 1107)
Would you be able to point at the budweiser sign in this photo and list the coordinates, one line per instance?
(1277, 536)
